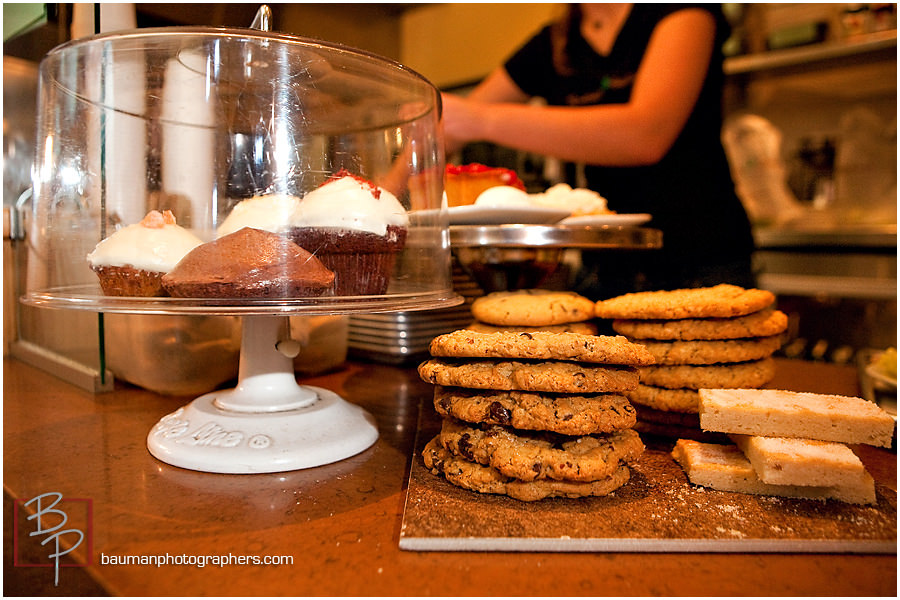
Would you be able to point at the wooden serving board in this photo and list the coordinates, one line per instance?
(658, 510)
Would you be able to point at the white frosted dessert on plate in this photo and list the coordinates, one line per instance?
(132, 261)
(578, 201)
(356, 229)
(504, 196)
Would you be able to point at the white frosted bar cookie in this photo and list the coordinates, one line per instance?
(724, 467)
(796, 461)
(779, 413)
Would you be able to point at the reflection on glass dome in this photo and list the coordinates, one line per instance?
(198, 126)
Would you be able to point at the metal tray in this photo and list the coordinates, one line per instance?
(556, 236)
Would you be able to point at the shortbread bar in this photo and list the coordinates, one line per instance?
(724, 467)
(779, 413)
(795, 461)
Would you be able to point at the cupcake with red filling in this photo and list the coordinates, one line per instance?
(463, 184)
(132, 261)
(356, 229)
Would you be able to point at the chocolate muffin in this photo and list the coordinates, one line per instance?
(249, 263)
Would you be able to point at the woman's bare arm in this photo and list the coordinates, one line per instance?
(640, 132)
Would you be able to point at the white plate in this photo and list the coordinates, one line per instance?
(614, 220)
(519, 215)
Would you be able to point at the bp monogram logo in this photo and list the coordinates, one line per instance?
(48, 527)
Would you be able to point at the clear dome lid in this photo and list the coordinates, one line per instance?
(232, 171)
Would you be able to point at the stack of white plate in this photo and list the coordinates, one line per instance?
(401, 337)
(502, 257)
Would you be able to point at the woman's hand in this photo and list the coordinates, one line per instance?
(460, 120)
(464, 118)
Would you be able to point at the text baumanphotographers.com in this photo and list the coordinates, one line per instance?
(196, 560)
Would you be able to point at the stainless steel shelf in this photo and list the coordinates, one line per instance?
(862, 236)
(807, 55)
(792, 284)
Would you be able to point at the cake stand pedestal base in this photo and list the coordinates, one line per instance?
(266, 424)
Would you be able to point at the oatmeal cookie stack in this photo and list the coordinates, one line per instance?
(717, 337)
(533, 310)
(534, 414)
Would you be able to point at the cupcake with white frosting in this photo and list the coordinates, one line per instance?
(270, 212)
(132, 261)
(356, 229)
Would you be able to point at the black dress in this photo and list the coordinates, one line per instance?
(706, 233)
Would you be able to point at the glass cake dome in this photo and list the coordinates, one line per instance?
(206, 126)
(237, 172)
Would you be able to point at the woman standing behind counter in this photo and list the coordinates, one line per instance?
(634, 92)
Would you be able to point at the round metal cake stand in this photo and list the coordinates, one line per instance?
(268, 422)
(502, 257)
(555, 236)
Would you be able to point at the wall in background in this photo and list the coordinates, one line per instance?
(375, 28)
(458, 44)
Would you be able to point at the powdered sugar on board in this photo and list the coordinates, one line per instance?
(658, 510)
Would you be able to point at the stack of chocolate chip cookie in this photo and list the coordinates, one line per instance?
(716, 337)
(533, 310)
(536, 414)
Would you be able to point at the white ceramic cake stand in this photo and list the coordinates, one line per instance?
(267, 422)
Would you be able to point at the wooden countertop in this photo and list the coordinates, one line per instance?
(340, 523)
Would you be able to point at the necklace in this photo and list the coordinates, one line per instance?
(612, 14)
